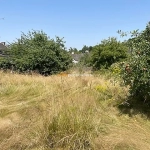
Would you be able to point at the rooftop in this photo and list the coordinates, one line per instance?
(2, 46)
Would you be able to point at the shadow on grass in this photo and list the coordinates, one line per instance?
(133, 106)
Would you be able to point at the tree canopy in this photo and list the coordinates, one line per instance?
(136, 70)
(108, 52)
(35, 51)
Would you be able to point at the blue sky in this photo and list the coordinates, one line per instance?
(80, 22)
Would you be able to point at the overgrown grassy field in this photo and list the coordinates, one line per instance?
(70, 113)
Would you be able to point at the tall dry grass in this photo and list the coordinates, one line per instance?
(60, 112)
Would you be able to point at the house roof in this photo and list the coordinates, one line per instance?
(2, 49)
(2, 46)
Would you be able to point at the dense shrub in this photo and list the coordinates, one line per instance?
(35, 51)
(136, 71)
(107, 53)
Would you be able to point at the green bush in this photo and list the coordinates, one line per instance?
(116, 68)
(107, 53)
(35, 51)
(136, 71)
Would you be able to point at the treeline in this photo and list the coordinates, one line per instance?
(35, 51)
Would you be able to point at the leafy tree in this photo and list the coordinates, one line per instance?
(136, 71)
(90, 48)
(108, 52)
(35, 51)
(146, 33)
(86, 49)
(73, 50)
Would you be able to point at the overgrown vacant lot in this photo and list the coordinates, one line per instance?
(60, 112)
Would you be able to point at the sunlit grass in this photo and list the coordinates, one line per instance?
(61, 112)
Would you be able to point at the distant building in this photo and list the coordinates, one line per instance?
(2, 49)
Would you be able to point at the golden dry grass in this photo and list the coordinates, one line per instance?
(60, 112)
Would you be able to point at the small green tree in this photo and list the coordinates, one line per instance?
(136, 70)
(35, 51)
(107, 53)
